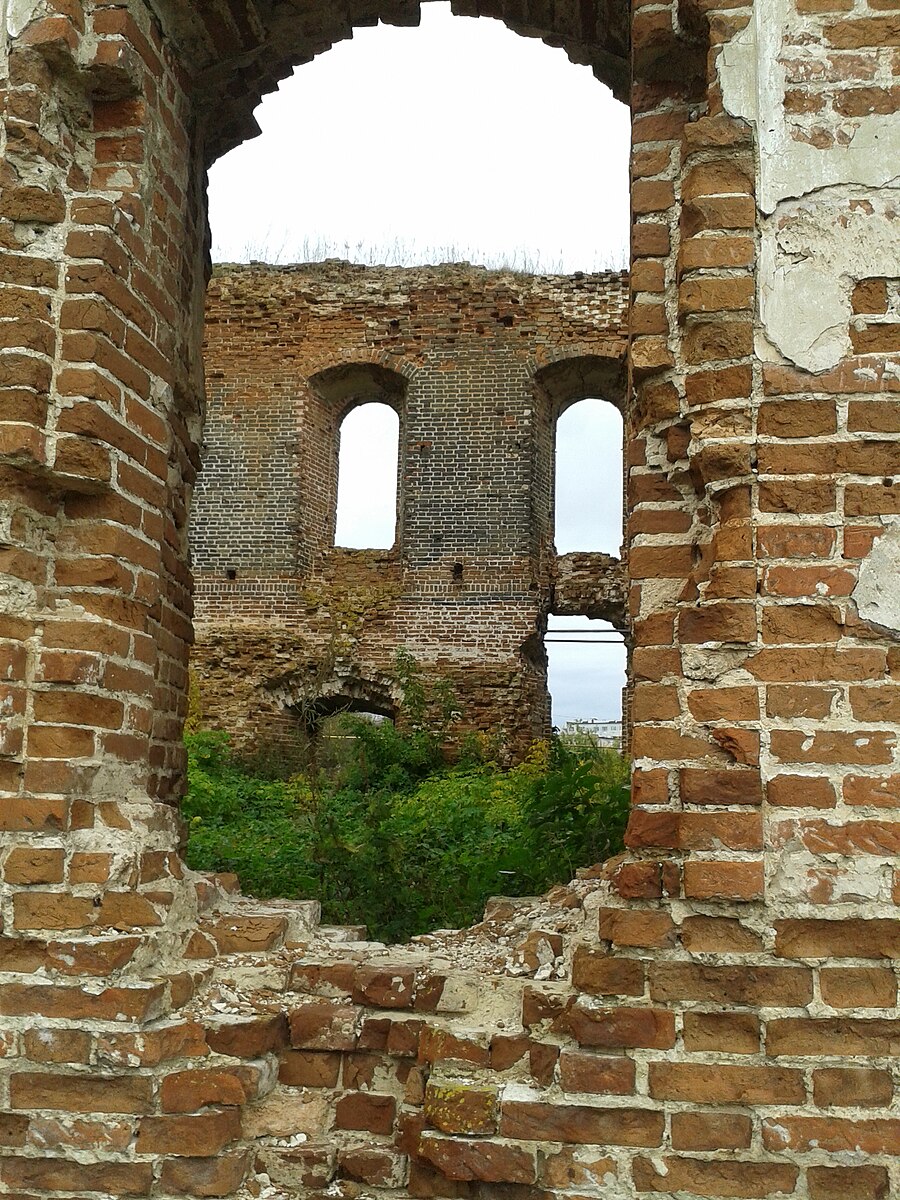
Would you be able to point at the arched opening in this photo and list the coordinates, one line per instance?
(588, 478)
(368, 448)
(472, 511)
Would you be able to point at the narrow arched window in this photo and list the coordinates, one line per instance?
(368, 446)
(588, 492)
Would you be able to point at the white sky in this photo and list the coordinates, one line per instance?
(367, 478)
(457, 140)
(457, 136)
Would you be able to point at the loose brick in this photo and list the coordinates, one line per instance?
(460, 1108)
(309, 1068)
(188, 1091)
(359, 1110)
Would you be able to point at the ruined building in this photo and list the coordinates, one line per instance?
(711, 1015)
(478, 366)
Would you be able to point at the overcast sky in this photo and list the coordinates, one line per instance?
(456, 140)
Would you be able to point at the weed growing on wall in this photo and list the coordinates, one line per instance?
(390, 836)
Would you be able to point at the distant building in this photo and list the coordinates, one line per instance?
(603, 733)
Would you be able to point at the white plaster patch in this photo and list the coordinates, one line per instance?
(711, 666)
(805, 287)
(800, 873)
(811, 255)
(17, 14)
(877, 594)
(16, 596)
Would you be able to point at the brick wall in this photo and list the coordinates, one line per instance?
(712, 1015)
(478, 365)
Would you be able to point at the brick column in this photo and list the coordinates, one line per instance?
(100, 391)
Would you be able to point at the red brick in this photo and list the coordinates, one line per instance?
(219, 1176)
(840, 1183)
(591, 1073)
(848, 938)
(831, 1134)
(845, 1087)
(81, 1093)
(59, 1174)
(359, 1110)
(536, 1121)
(710, 1131)
(720, 1083)
(187, 1091)
(488, 1162)
(731, 1032)
(714, 1178)
(196, 1136)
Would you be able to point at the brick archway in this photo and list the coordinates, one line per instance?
(240, 55)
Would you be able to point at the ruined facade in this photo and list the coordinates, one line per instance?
(714, 1014)
(478, 366)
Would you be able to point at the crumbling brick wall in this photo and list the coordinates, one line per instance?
(712, 1015)
(478, 365)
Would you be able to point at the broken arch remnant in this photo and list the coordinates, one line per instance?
(478, 365)
(712, 1014)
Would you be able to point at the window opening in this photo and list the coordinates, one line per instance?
(368, 449)
(588, 493)
(587, 664)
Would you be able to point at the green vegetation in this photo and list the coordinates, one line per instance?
(387, 834)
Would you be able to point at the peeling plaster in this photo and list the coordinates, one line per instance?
(877, 594)
(810, 253)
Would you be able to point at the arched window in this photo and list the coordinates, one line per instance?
(588, 491)
(368, 446)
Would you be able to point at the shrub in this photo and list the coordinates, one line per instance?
(392, 837)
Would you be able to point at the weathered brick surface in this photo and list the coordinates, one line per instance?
(732, 1023)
